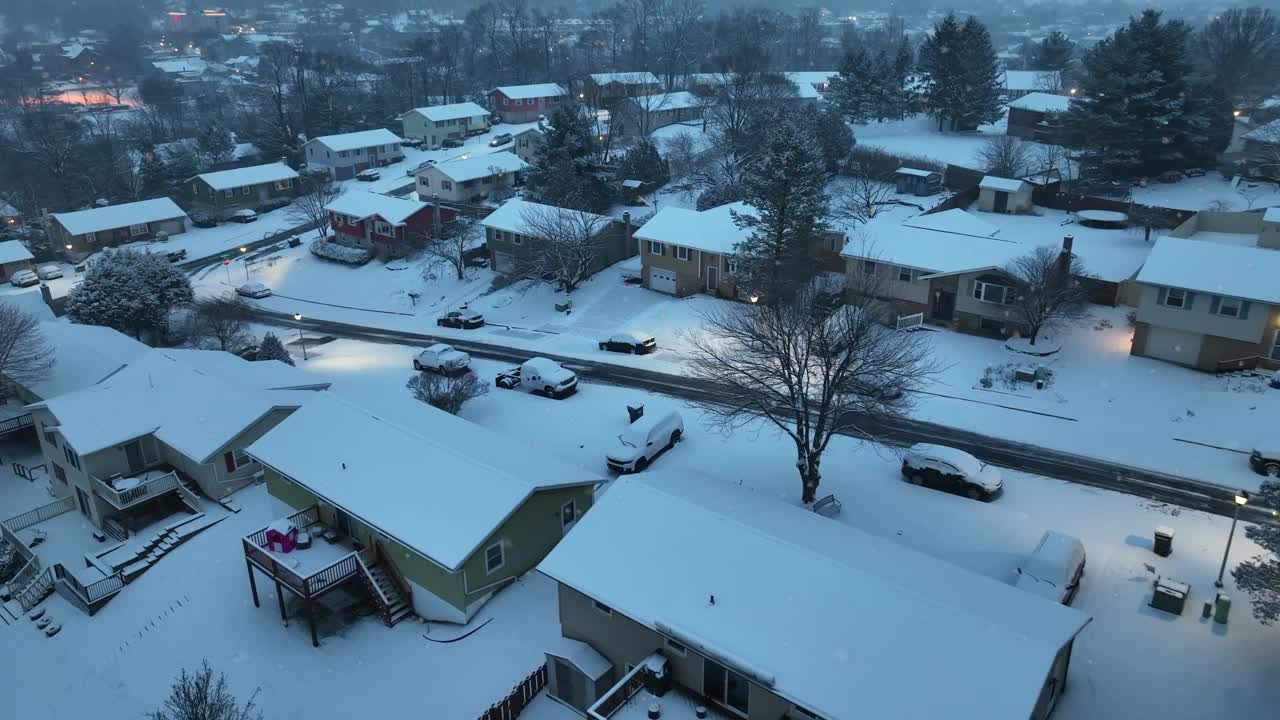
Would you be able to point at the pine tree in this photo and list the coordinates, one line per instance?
(962, 77)
(786, 190)
(272, 349)
(1054, 52)
(642, 162)
(1260, 576)
(982, 77)
(851, 90)
(561, 172)
(130, 291)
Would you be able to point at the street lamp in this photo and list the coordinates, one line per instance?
(298, 318)
(1242, 499)
(755, 298)
(244, 250)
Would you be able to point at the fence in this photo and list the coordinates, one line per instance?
(510, 707)
(618, 695)
(92, 596)
(40, 514)
(29, 569)
(909, 322)
(959, 200)
(36, 590)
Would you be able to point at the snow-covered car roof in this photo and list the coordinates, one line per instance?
(245, 212)
(49, 266)
(253, 286)
(545, 366)
(962, 460)
(439, 348)
(1056, 550)
(630, 336)
(463, 312)
(24, 272)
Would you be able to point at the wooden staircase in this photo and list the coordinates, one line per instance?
(395, 608)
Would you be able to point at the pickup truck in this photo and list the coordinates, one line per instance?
(443, 359)
(541, 377)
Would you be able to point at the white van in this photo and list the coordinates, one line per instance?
(645, 439)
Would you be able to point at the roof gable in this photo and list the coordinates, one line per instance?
(252, 175)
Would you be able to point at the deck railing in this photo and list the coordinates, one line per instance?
(15, 424)
(29, 569)
(618, 695)
(36, 590)
(122, 499)
(302, 520)
(95, 594)
(339, 571)
(190, 498)
(25, 520)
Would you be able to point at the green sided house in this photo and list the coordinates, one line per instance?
(430, 513)
(226, 191)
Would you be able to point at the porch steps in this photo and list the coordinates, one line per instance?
(399, 608)
(229, 504)
(162, 543)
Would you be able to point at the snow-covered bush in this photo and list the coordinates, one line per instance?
(330, 250)
(131, 291)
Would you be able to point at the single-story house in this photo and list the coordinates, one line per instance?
(1004, 195)
(387, 225)
(225, 191)
(1037, 116)
(88, 230)
(9, 214)
(439, 122)
(526, 103)
(1213, 304)
(1017, 83)
(14, 256)
(606, 88)
(183, 69)
(797, 616)
(349, 153)
(643, 114)
(514, 232)
(475, 179)
(914, 181)
(128, 447)
(819, 80)
(451, 511)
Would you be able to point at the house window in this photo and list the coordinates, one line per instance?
(494, 558)
(682, 253)
(229, 193)
(72, 458)
(655, 248)
(905, 274)
(568, 514)
(601, 607)
(724, 686)
(993, 293)
(284, 184)
(138, 229)
(50, 436)
(382, 228)
(59, 473)
(1275, 346)
(1230, 307)
(195, 188)
(676, 647)
(1174, 297)
(517, 239)
(731, 266)
(446, 185)
(246, 190)
(835, 243)
(241, 458)
(869, 267)
(342, 153)
(424, 181)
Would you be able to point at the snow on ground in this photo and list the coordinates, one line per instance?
(1213, 191)
(918, 136)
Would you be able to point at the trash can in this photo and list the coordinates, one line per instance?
(1163, 544)
(635, 412)
(1221, 608)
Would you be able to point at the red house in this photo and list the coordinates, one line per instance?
(386, 225)
(524, 103)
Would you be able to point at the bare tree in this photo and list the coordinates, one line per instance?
(199, 696)
(1263, 149)
(1050, 290)
(221, 323)
(564, 247)
(446, 393)
(449, 244)
(318, 190)
(1004, 156)
(861, 197)
(25, 356)
(812, 372)
(1240, 49)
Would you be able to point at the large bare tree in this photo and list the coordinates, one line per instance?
(221, 323)
(563, 247)
(1050, 290)
(201, 696)
(862, 196)
(1005, 156)
(25, 355)
(449, 243)
(318, 190)
(811, 370)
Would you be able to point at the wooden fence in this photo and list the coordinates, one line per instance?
(510, 707)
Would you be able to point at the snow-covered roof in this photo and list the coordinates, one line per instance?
(359, 140)
(1042, 102)
(479, 166)
(625, 78)
(73, 50)
(182, 66)
(1265, 133)
(111, 217)
(935, 251)
(812, 77)
(455, 111)
(7, 208)
(679, 100)
(12, 251)
(514, 213)
(83, 355)
(361, 204)
(711, 230)
(1031, 80)
(192, 410)
(991, 182)
(266, 374)
(1272, 214)
(955, 221)
(583, 656)
(876, 618)
(1241, 271)
(252, 175)
(916, 172)
(524, 92)
(429, 479)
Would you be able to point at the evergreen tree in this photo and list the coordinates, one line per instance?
(561, 173)
(153, 173)
(1260, 576)
(130, 291)
(1054, 52)
(835, 139)
(786, 191)
(962, 77)
(643, 163)
(851, 88)
(983, 78)
(272, 349)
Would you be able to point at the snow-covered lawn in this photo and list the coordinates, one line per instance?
(1209, 192)
(918, 136)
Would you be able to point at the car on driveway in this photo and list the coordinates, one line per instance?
(540, 376)
(48, 272)
(644, 440)
(1265, 461)
(501, 139)
(420, 167)
(244, 215)
(951, 470)
(451, 143)
(177, 255)
(443, 359)
(202, 219)
(25, 278)
(1054, 568)
(368, 175)
(253, 290)
(461, 319)
(630, 342)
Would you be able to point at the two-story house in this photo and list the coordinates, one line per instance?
(345, 155)
(755, 608)
(434, 513)
(438, 123)
(606, 89)
(389, 226)
(227, 191)
(519, 229)
(472, 180)
(525, 103)
(88, 230)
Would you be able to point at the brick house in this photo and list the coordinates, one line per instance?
(88, 230)
(603, 89)
(227, 191)
(524, 103)
(387, 225)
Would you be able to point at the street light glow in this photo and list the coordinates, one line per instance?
(297, 316)
(244, 249)
(1242, 498)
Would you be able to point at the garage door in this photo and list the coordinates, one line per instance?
(1176, 346)
(662, 281)
(503, 263)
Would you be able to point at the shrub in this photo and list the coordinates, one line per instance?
(329, 250)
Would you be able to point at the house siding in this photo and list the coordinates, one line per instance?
(429, 185)
(60, 237)
(434, 132)
(690, 273)
(200, 195)
(618, 246)
(345, 164)
(1221, 338)
(522, 110)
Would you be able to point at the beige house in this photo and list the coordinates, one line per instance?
(472, 180)
(1210, 299)
(438, 123)
(431, 513)
(525, 143)
(89, 230)
(516, 230)
(762, 610)
(1004, 195)
(344, 156)
(169, 423)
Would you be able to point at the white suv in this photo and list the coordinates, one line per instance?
(645, 439)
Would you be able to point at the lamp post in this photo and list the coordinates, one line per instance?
(298, 317)
(244, 250)
(1242, 499)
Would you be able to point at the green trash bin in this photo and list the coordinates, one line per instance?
(1221, 608)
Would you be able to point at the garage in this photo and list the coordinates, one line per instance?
(662, 280)
(1176, 346)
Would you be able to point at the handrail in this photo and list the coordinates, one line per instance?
(393, 570)
(36, 590)
(122, 499)
(40, 514)
(338, 571)
(1249, 362)
(385, 603)
(342, 569)
(302, 520)
(192, 500)
(618, 695)
(20, 547)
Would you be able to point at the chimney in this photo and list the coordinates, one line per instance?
(1066, 244)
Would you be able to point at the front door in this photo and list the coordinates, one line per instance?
(342, 521)
(713, 279)
(82, 502)
(944, 305)
(133, 452)
(1002, 202)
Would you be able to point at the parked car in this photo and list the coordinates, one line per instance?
(249, 353)
(1265, 461)
(540, 376)
(1194, 172)
(451, 143)
(1170, 176)
(368, 175)
(645, 439)
(244, 215)
(956, 471)
(48, 272)
(630, 342)
(254, 290)
(202, 219)
(1054, 568)
(443, 359)
(25, 278)
(420, 167)
(461, 319)
(501, 139)
(177, 255)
